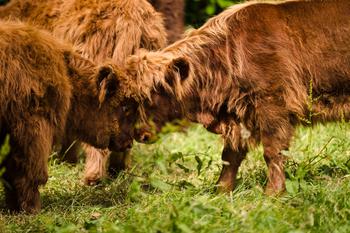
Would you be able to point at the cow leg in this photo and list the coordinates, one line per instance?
(21, 188)
(70, 150)
(274, 141)
(95, 164)
(232, 160)
(119, 161)
(26, 165)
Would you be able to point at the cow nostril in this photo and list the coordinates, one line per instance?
(129, 146)
(145, 137)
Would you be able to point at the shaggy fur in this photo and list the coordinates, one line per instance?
(252, 74)
(174, 16)
(46, 87)
(99, 29)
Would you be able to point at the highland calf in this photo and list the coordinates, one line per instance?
(100, 30)
(45, 88)
(247, 74)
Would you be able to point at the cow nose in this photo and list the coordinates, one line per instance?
(145, 137)
(128, 146)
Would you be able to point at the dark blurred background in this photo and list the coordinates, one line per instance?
(2, 2)
(198, 11)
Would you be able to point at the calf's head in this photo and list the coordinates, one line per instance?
(156, 82)
(100, 113)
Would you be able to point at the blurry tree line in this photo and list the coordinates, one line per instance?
(198, 11)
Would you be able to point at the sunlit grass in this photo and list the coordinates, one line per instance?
(171, 188)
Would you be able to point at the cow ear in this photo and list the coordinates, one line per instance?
(182, 67)
(107, 83)
(178, 66)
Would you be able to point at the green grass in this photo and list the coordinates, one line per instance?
(171, 188)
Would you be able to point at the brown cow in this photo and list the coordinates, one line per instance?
(174, 16)
(99, 30)
(248, 74)
(46, 87)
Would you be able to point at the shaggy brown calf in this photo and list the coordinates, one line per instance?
(109, 29)
(100, 30)
(247, 74)
(174, 16)
(46, 88)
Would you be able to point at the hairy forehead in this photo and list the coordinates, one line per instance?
(145, 59)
